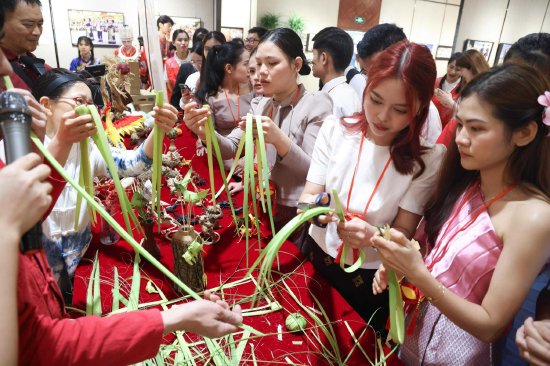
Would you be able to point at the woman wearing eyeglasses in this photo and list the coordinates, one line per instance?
(60, 91)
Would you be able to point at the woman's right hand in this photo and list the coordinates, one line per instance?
(195, 118)
(380, 281)
(74, 128)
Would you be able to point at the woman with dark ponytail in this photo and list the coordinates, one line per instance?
(224, 85)
(291, 118)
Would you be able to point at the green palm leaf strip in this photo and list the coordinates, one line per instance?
(268, 254)
(211, 132)
(78, 202)
(345, 249)
(100, 139)
(397, 314)
(7, 82)
(263, 169)
(125, 235)
(85, 173)
(234, 165)
(133, 298)
(209, 152)
(156, 174)
(93, 295)
(116, 291)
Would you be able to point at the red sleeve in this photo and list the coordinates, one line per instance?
(447, 135)
(58, 184)
(121, 339)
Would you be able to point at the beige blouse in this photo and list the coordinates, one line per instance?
(301, 122)
(226, 114)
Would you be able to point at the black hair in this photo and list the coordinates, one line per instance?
(197, 48)
(54, 83)
(378, 38)
(214, 68)
(532, 49)
(454, 57)
(260, 31)
(10, 5)
(199, 35)
(337, 43)
(163, 19)
(290, 43)
(177, 32)
(237, 40)
(90, 43)
(218, 36)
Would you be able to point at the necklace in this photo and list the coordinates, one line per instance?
(235, 120)
(465, 199)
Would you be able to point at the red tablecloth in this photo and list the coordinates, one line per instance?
(226, 262)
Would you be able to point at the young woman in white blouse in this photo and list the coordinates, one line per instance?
(381, 168)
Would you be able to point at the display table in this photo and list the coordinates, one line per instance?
(226, 263)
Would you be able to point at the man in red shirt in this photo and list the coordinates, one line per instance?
(42, 334)
(22, 31)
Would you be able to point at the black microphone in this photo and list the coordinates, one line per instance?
(15, 123)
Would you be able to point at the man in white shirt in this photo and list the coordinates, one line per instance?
(374, 41)
(332, 51)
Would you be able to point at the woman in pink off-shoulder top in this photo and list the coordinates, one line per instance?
(487, 223)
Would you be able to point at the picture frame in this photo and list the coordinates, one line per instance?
(232, 32)
(485, 47)
(443, 52)
(190, 25)
(102, 27)
(502, 50)
(309, 42)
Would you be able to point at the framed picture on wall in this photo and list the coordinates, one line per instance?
(443, 52)
(232, 32)
(484, 47)
(102, 27)
(187, 24)
(502, 50)
(309, 42)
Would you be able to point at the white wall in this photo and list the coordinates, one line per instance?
(317, 14)
(182, 8)
(428, 22)
(239, 14)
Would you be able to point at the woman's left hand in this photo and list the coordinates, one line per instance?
(399, 254)
(356, 232)
(165, 117)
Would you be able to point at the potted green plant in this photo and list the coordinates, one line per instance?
(296, 23)
(269, 21)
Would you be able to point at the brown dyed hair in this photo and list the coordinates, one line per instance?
(511, 91)
(474, 61)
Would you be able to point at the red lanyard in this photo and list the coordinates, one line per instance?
(440, 253)
(235, 120)
(293, 103)
(376, 186)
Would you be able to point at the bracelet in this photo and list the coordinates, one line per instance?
(441, 289)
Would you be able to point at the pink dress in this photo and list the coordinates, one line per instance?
(466, 269)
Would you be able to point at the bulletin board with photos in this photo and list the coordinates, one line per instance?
(102, 27)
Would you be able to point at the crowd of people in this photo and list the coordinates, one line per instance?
(459, 163)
